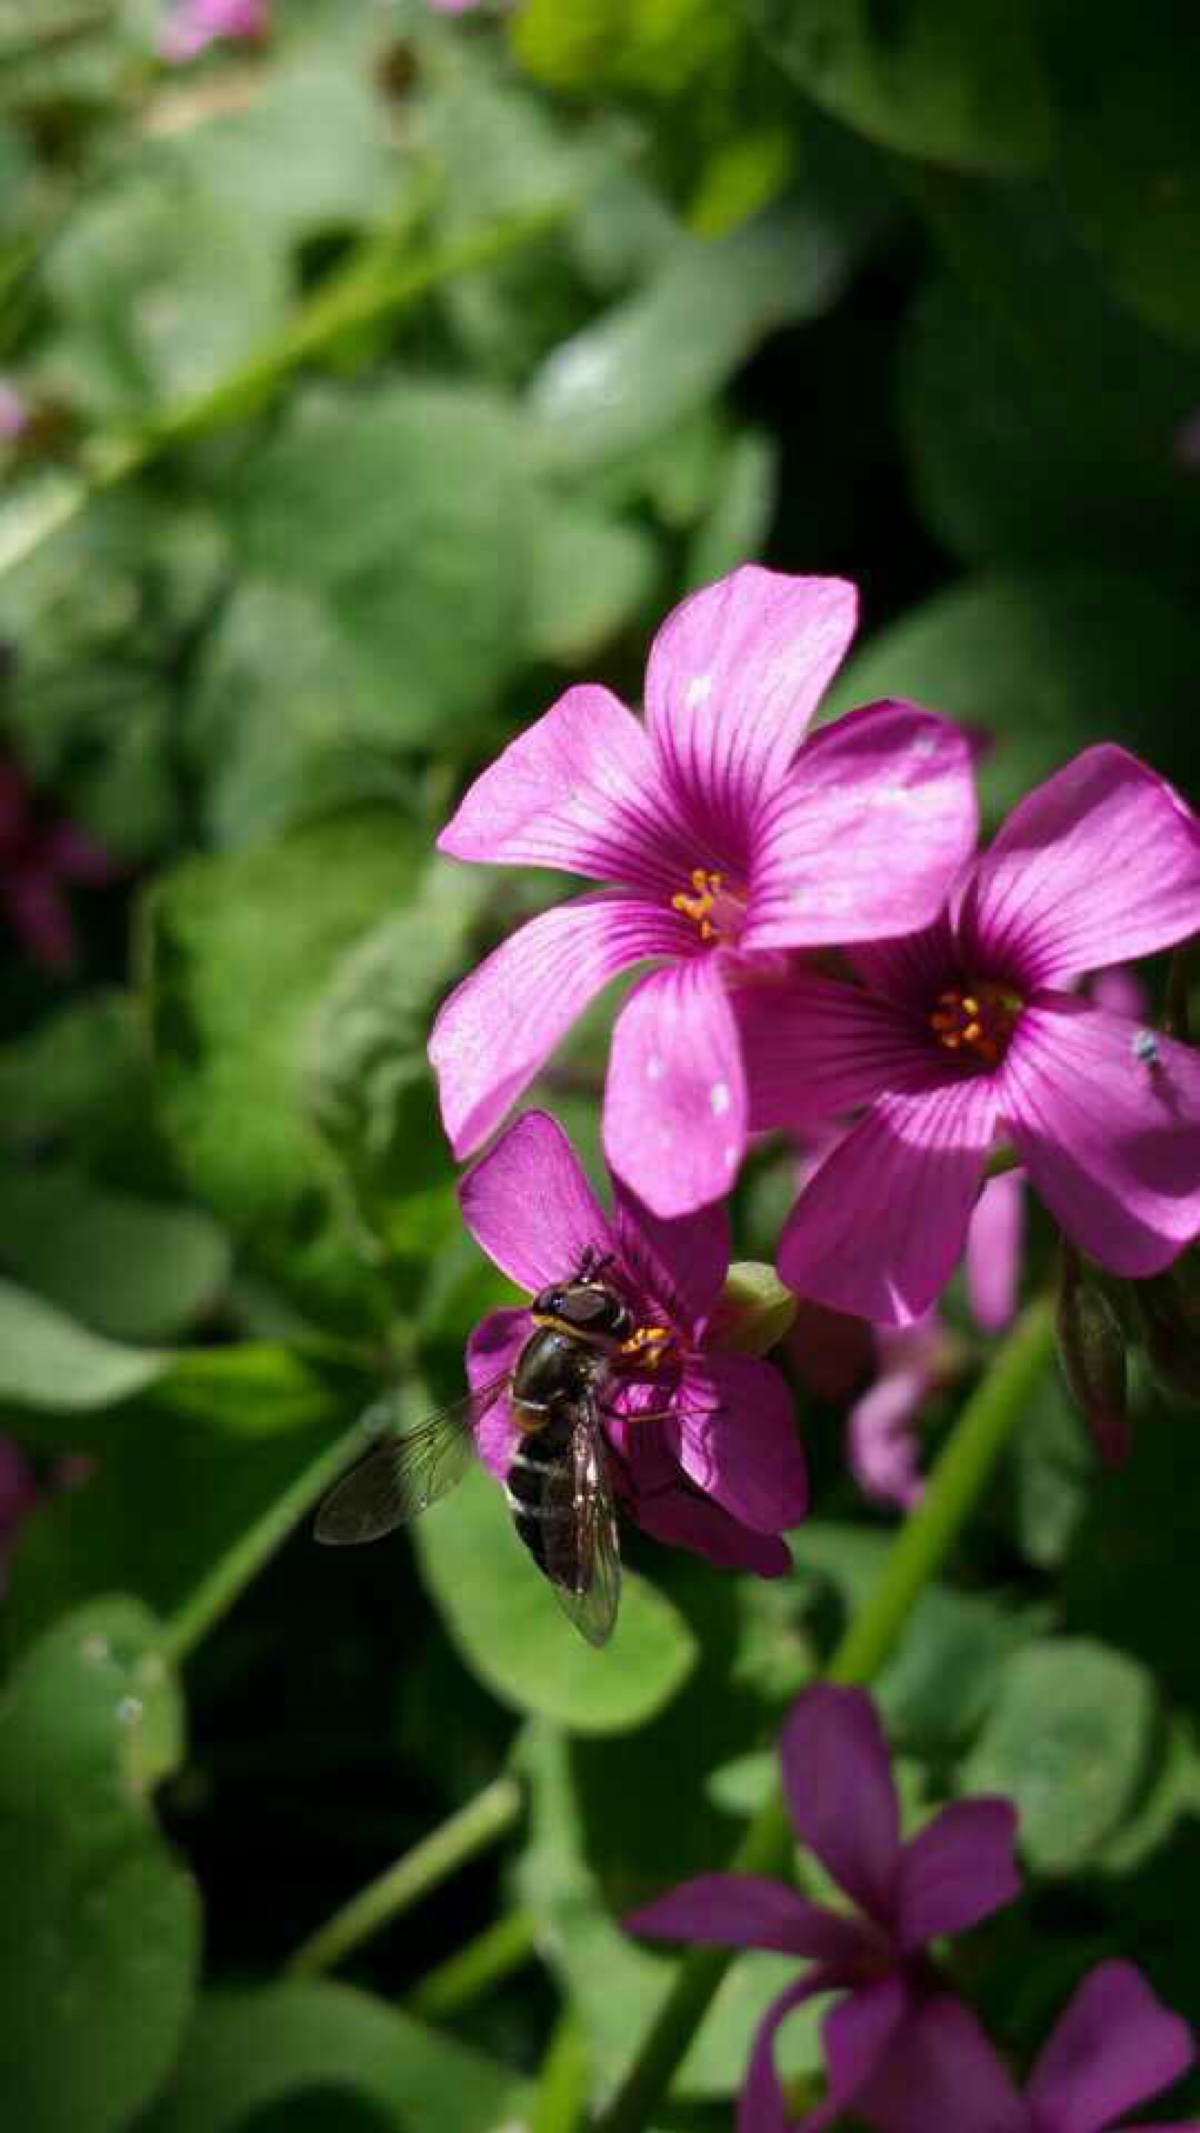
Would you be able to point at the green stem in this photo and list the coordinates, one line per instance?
(502, 1948)
(920, 1549)
(561, 2098)
(232, 1572)
(437, 1856)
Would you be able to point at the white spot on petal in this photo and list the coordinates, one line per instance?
(656, 1068)
(720, 1098)
(698, 690)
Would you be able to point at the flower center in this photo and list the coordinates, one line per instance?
(977, 1018)
(715, 909)
(648, 1346)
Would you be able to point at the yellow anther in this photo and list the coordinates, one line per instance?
(970, 1004)
(979, 1021)
(973, 1031)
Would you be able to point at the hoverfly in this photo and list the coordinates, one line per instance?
(558, 1486)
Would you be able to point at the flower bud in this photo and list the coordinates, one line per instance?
(755, 1310)
(1169, 1304)
(1091, 1351)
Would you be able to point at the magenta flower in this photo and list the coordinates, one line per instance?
(39, 859)
(956, 1871)
(1115, 2045)
(703, 1446)
(969, 1031)
(724, 842)
(196, 24)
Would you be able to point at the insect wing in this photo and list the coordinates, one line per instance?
(583, 1554)
(408, 1471)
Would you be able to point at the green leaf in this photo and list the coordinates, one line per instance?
(737, 521)
(250, 2050)
(960, 85)
(133, 1269)
(46, 1360)
(240, 949)
(99, 1930)
(505, 1622)
(591, 572)
(661, 47)
(1039, 662)
(1127, 86)
(421, 576)
(1069, 1739)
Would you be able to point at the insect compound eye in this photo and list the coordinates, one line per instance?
(548, 1303)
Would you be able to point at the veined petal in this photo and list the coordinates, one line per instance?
(865, 836)
(838, 1783)
(1099, 865)
(1115, 2045)
(733, 679)
(529, 1204)
(501, 1024)
(761, 2105)
(736, 1439)
(581, 790)
(747, 1911)
(879, 1229)
(492, 1349)
(1107, 1119)
(994, 1250)
(857, 2035)
(667, 1507)
(681, 1264)
(958, 1869)
(675, 1106)
(814, 1048)
(941, 2071)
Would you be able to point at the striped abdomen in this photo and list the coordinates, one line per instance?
(544, 1525)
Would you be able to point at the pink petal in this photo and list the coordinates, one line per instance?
(882, 1224)
(1115, 2045)
(839, 1789)
(675, 1106)
(761, 2106)
(856, 2035)
(884, 1443)
(501, 1024)
(1099, 865)
(682, 1264)
(746, 1911)
(737, 1440)
(733, 679)
(492, 1351)
(664, 1505)
(529, 1204)
(912, 970)
(814, 1048)
(581, 790)
(1121, 991)
(941, 2072)
(959, 1869)
(994, 1250)
(864, 838)
(1108, 1129)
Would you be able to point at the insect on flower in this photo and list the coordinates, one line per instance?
(605, 1388)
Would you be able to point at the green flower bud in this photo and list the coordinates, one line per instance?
(755, 1309)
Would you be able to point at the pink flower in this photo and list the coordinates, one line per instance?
(970, 1030)
(196, 24)
(956, 1871)
(1115, 2045)
(703, 1444)
(14, 413)
(724, 842)
(39, 857)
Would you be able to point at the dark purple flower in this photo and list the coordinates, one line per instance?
(703, 1444)
(1114, 2046)
(839, 1789)
(725, 843)
(39, 858)
(196, 24)
(971, 1031)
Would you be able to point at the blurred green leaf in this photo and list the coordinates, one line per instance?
(99, 1931)
(591, 572)
(659, 46)
(1069, 1739)
(961, 85)
(249, 2050)
(408, 512)
(1054, 1468)
(133, 1269)
(240, 949)
(48, 1360)
(1127, 86)
(737, 520)
(1043, 664)
(509, 1629)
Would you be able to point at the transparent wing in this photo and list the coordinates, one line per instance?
(405, 1473)
(583, 1553)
